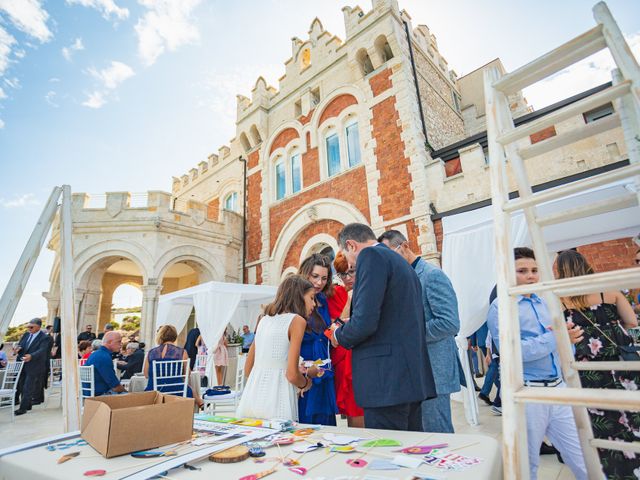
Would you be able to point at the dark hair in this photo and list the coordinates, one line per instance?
(36, 321)
(290, 297)
(394, 237)
(317, 260)
(358, 232)
(84, 344)
(573, 264)
(166, 333)
(523, 252)
(108, 326)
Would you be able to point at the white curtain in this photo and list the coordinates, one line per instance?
(213, 313)
(172, 312)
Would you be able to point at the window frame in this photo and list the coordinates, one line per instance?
(338, 125)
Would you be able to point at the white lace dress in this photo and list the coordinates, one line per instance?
(268, 393)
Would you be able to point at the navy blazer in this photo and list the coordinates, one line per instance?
(40, 351)
(387, 332)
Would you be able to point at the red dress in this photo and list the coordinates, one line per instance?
(341, 360)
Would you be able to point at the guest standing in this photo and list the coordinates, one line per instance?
(87, 334)
(442, 324)
(247, 338)
(220, 357)
(604, 317)
(273, 376)
(318, 406)
(391, 370)
(191, 347)
(340, 356)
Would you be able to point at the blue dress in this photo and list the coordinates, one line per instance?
(155, 355)
(318, 406)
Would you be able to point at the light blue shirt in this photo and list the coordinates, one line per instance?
(540, 359)
(247, 339)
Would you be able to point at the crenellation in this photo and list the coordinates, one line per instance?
(213, 160)
(203, 167)
(193, 174)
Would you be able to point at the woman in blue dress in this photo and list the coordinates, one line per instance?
(165, 351)
(318, 405)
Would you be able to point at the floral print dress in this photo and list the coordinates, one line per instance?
(608, 424)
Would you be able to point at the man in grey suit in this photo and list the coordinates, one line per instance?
(386, 331)
(442, 325)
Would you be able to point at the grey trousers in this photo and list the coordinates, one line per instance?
(436, 414)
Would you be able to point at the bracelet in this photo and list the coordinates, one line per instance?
(306, 382)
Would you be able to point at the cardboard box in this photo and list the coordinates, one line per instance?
(119, 424)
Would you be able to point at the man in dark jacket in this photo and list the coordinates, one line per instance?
(34, 349)
(133, 363)
(391, 369)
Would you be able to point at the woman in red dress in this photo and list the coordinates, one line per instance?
(340, 307)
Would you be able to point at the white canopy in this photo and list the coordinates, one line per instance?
(468, 256)
(216, 304)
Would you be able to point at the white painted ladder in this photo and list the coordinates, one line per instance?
(502, 135)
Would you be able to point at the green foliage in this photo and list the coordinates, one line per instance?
(15, 333)
(130, 323)
(236, 337)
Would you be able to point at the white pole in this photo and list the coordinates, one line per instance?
(71, 387)
(17, 282)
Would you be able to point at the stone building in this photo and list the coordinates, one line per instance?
(374, 128)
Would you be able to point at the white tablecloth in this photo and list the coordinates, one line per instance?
(39, 463)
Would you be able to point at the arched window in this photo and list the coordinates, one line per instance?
(365, 62)
(353, 143)
(341, 144)
(245, 142)
(383, 48)
(296, 173)
(333, 153)
(231, 202)
(281, 179)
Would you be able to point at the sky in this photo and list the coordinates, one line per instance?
(121, 95)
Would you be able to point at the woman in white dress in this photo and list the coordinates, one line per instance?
(274, 377)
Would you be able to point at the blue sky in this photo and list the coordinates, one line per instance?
(112, 95)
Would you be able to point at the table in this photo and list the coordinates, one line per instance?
(22, 464)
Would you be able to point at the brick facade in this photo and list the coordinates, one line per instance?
(610, 255)
(395, 179)
(253, 159)
(310, 166)
(350, 187)
(254, 230)
(304, 119)
(336, 106)
(543, 134)
(437, 230)
(330, 227)
(283, 139)
(380, 82)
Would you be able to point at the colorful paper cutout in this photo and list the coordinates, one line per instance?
(95, 473)
(382, 442)
(357, 462)
(423, 449)
(407, 461)
(67, 457)
(340, 439)
(298, 470)
(154, 454)
(248, 422)
(290, 462)
(380, 464)
(303, 432)
(256, 476)
(343, 448)
(307, 448)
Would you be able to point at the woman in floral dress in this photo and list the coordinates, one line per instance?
(604, 317)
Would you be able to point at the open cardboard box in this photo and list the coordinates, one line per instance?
(119, 424)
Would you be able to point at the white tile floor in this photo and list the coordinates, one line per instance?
(44, 421)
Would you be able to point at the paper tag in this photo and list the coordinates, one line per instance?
(407, 461)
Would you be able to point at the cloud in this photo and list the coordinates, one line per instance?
(95, 100)
(111, 77)
(67, 52)
(166, 25)
(26, 200)
(50, 98)
(29, 17)
(12, 82)
(2, 94)
(1, 124)
(54, 79)
(588, 73)
(106, 7)
(6, 42)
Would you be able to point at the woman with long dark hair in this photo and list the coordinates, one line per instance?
(604, 318)
(318, 406)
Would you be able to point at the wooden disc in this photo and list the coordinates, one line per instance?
(231, 455)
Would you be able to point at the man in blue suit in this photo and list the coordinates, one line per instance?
(386, 331)
(442, 325)
(34, 349)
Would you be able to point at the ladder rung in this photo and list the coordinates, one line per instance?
(577, 108)
(619, 366)
(595, 208)
(585, 131)
(598, 282)
(581, 397)
(573, 187)
(615, 445)
(567, 54)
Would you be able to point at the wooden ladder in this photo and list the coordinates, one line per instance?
(502, 135)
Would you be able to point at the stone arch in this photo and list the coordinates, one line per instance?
(91, 256)
(283, 136)
(255, 134)
(244, 141)
(318, 210)
(206, 263)
(315, 122)
(336, 105)
(366, 66)
(385, 53)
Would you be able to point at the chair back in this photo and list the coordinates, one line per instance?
(11, 376)
(171, 376)
(87, 382)
(240, 372)
(55, 372)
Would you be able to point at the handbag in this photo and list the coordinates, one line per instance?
(626, 353)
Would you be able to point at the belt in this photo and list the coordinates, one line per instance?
(553, 382)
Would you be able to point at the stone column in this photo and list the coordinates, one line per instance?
(150, 295)
(53, 304)
(79, 298)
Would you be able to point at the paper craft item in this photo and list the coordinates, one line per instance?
(95, 473)
(298, 470)
(307, 448)
(283, 440)
(68, 456)
(343, 448)
(256, 452)
(340, 439)
(444, 460)
(357, 462)
(407, 461)
(380, 464)
(290, 462)
(303, 432)
(215, 418)
(248, 422)
(382, 442)
(256, 476)
(422, 449)
(153, 454)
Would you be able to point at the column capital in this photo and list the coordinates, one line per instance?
(150, 290)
